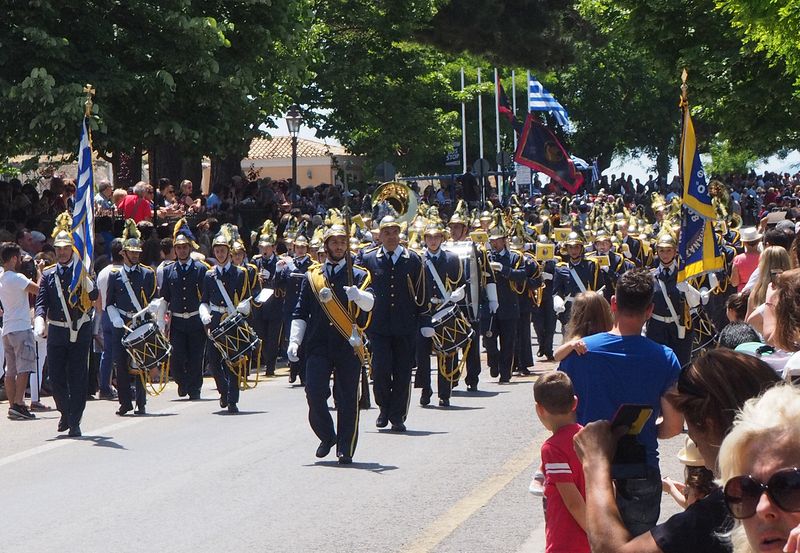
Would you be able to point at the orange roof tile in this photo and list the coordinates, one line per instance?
(279, 147)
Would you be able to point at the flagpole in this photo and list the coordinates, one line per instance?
(514, 108)
(463, 126)
(480, 138)
(528, 102)
(87, 114)
(500, 181)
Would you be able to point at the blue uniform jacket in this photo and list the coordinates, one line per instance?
(235, 281)
(182, 288)
(143, 284)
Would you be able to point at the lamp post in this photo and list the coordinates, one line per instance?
(293, 121)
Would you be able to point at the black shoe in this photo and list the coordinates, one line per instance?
(444, 402)
(325, 448)
(124, 410)
(551, 358)
(181, 391)
(232, 409)
(539, 353)
(194, 396)
(269, 372)
(504, 380)
(472, 388)
(223, 402)
(292, 378)
(21, 412)
(345, 459)
(425, 398)
(525, 372)
(382, 421)
(398, 427)
(62, 424)
(494, 372)
(140, 410)
(75, 432)
(108, 395)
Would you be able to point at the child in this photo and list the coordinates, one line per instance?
(590, 314)
(564, 488)
(698, 480)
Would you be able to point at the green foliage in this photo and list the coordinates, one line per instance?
(725, 160)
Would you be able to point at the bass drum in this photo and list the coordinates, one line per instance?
(468, 256)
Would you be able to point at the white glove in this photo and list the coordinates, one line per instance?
(627, 253)
(325, 295)
(692, 294)
(704, 295)
(352, 293)
(559, 305)
(491, 293)
(496, 266)
(427, 331)
(713, 281)
(280, 265)
(39, 327)
(155, 306)
(296, 334)
(547, 276)
(682, 286)
(265, 274)
(244, 307)
(205, 314)
(458, 295)
(364, 300)
(605, 268)
(116, 318)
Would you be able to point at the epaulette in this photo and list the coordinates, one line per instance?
(360, 267)
(257, 256)
(201, 262)
(53, 266)
(561, 263)
(370, 249)
(147, 267)
(252, 266)
(168, 262)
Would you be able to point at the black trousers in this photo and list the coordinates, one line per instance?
(68, 366)
(345, 367)
(667, 335)
(474, 356)
(392, 361)
(502, 359)
(297, 368)
(188, 339)
(544, 324)
(422, 377)
(523, 356)
(121, 364)
(270, 333)
(227, 382)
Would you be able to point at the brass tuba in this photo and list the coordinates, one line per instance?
(400, 196)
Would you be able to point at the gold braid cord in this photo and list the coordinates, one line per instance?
(153, 380)
(516, 287)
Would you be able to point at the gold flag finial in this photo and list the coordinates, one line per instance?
(89, 91)
(684, 88)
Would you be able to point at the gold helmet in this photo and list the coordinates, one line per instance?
(62, 233)
(573, 239)
(390, 221)
(334, 230)
(666, 240)
(182, 235)
(131, 237)
(498, 228)
(268, 234)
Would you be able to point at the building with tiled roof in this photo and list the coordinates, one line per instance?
(317, 162)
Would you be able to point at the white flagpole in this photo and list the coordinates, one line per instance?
(528, 88)
(480, 117)
(514, 101)
(497, 178)
(463, 127)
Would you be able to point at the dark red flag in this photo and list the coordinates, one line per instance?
(539, 149)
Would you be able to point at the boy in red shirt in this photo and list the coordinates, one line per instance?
(564, 488)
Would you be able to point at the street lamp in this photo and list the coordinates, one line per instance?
(293, 121)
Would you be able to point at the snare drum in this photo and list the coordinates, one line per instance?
(147, 346)
(452, 330)
(234, 338)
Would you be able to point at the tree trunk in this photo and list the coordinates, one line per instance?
(192, 169)
(165, 162)
(224, 169)
(127, 167)
(662, 163)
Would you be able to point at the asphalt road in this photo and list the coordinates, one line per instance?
(188, 478)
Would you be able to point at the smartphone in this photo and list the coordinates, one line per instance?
(632, 415)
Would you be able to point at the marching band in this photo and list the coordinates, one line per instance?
(358, 297)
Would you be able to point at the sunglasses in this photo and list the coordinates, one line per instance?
(742, 493)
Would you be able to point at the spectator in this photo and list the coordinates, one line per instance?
(782, 320)
(709, 393)
(736, 334)
(591, 314)
(745, 263)
(698, 481)
(136, 206)
(774, 260)
(564, 490)
(772, 237)
(759, 462)
(102, 200)
(736, 307)
(18, 341)
(622, 366)
(117, 197)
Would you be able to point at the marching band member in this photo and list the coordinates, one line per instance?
(130, 289)
(288, 279)
(239, 258)
(269, 315)
(65, 321)
(181, 288)
(617, 264)
(398, 281)
(330, 330)
(574, 276)
(445, 275)
(544, 315)
(523, 356)
(225, 292)
(670, 324)
(509, 277)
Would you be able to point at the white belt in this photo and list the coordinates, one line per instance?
(185, 315)
(661, 319)
(63, 324)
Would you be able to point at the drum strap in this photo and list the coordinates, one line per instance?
(134, 300)
(579, 283)
(437, 279)
(225, 296)
(73, 334)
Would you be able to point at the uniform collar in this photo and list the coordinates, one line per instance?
(224, 268)
(131, 268)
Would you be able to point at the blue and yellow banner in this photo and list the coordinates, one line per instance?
(699, 251)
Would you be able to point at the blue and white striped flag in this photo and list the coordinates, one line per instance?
(541, 100)
(595, 172)
(83, 215)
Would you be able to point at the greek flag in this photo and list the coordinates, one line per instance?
(595, 172)
(541, 100)
(83, 216)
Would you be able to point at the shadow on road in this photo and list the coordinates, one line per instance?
(372, 467)
(389, 432)
(187, 400)
(224, 413)
(453, 408)
(98, 441)
(479, 393)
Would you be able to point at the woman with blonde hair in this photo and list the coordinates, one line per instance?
(759, 462)
(590, 314)
(774, 260)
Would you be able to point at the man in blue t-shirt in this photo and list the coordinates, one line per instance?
(622, 366)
